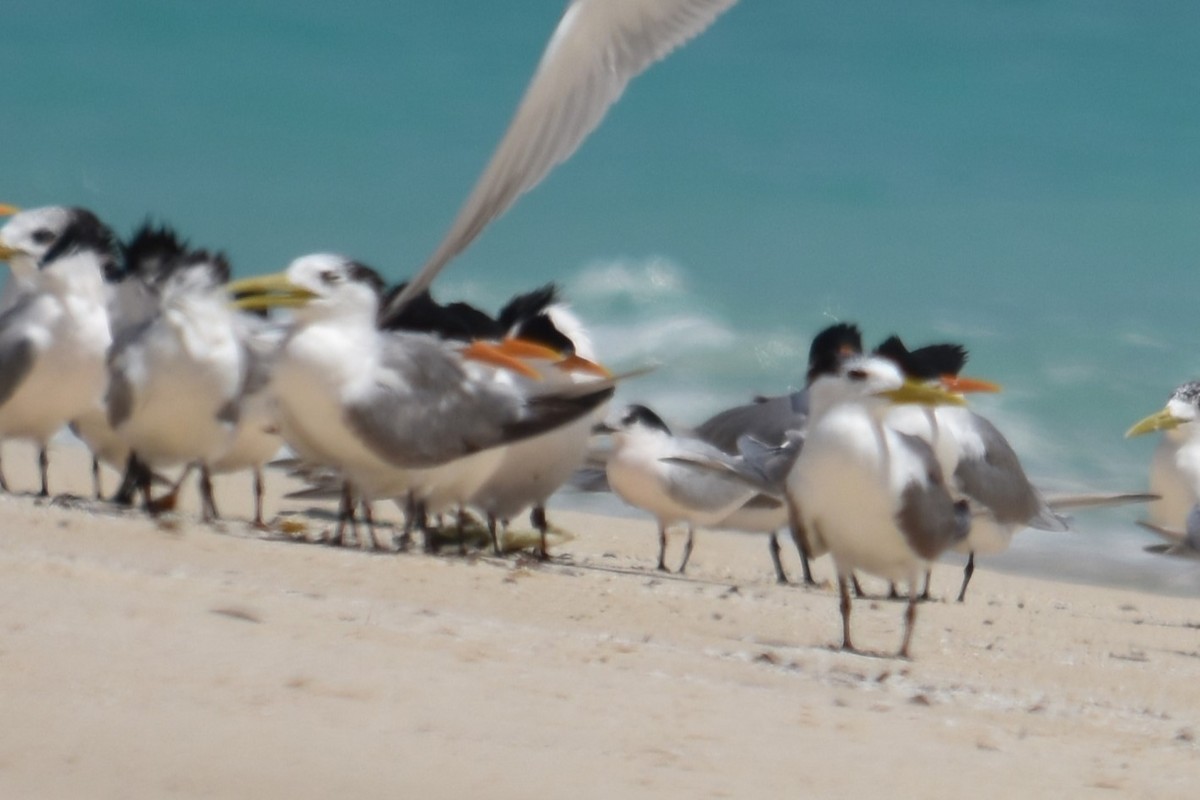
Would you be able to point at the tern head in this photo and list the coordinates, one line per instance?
(934, 362)
(635, 419)
(831, 347)
(877, 383)
(190, 274)
(317, 286)
(151, 253)
(36, 237)
(1181, 409)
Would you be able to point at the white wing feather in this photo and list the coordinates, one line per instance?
(597, 48)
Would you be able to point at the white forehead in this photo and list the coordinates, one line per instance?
(20, 227)
(310, 267)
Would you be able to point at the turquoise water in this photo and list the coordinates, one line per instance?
(1023, 177)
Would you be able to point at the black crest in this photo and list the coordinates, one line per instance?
(526, 306)
(830, 347)
(640, 415)
(151, 251)
(85, 231)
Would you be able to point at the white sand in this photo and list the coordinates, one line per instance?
(138, 661)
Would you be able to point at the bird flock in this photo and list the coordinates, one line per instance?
(163, 365)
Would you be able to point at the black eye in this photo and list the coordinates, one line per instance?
(856, 374)
(43, 236)
(331, 276)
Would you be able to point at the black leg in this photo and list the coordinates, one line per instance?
(345, 514)
(3, 480)
(910, 619)
(208, 503)
(858, 592)
(928, 580)
(844, 605)
(131, 481)
(797, 528)
(492, 532)
(773, 546)
(968, 571)
(662, 547)
(97, 489)
(258, 499)
(44, 469)
(537, 518)
(687, 549)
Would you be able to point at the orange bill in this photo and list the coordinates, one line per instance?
(7, 211)
(574, 363)
(489, 353)
(523, 348)
(962, 384)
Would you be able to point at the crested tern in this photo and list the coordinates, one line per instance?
(533, 469)
(873, 497)
(54, 335)
(777, 421)
(395, 412)
(176, 378)
(1175, 466)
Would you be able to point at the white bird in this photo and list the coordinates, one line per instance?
(132, 300)
(256, 438)
(175, 380)
(652, 469)
(54, 335)
(873, 497)
(598, 47)
(393, 412)
(1175, 466)
(533, 469)
(779, 421)
(981, 466)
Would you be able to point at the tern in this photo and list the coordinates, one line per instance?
(780, 421)
(54, 335)
(176, 378)
(649, 468)
(1175, 466)
(395, 412)
(533, 469)
(981, 466)
(873, 497)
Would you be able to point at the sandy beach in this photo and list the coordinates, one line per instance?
(174, 659)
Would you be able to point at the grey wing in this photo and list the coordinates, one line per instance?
(119, 398)
(775, 462)
(928, 516)
(705, 490)
(444, 414)
(998, 483)
(258, 360)
(16, 359)
(767, 421)
(597, 48)
(17, 351)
